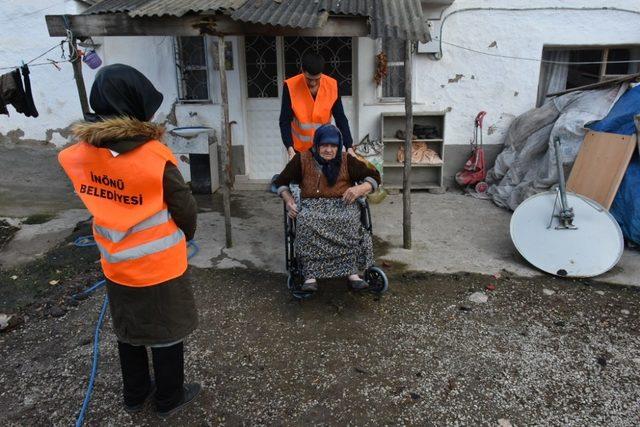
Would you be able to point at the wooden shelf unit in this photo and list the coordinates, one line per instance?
(423, 176)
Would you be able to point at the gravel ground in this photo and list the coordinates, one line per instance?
(539, 352)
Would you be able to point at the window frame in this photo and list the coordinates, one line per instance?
(602, 73)
(379, 88)
(180, 84)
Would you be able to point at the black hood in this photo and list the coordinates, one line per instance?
(122, 91)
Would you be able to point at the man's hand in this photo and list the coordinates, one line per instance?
(351, 151)
(353, 193)
(291, 152)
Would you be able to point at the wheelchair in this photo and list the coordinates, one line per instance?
(377, 279)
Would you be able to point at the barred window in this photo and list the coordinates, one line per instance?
(336, 51)
(262, 67)
(191, 61)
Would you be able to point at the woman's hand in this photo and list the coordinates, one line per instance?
(291, 152)
(292, 208)
(354, 193)
(290, 203)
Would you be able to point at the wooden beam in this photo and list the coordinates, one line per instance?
(76, 63)
(121, 24)
(598, 85)
(408, 142)
(225, 143)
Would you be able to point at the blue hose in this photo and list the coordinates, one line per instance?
(195, 247)
(86, 241)
(94, 367)
(86, 292)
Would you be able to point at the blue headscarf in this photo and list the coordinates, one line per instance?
(328, 134)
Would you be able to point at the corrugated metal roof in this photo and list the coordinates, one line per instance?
(400, 19)
(138, 8)
(289, 13)
(388, 18)
(349, 7)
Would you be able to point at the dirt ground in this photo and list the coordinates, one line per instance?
(423, 354)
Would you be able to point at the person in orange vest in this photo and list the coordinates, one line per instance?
(143, 216)
(309, 100)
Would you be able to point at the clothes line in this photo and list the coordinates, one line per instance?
(73, 56)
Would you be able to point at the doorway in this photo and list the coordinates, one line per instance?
(268, 62)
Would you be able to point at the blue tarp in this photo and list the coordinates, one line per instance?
(626, 205)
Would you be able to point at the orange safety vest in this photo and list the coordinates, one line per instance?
(310, 114)
(139, 243)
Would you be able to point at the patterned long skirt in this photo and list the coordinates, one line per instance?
(331, 240)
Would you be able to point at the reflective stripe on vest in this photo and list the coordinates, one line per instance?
(116, 236)
(306, 126)
(305, 138)
(142, 250)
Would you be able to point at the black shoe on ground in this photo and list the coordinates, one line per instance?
(134, 409)
(358, 285)
(191, 391)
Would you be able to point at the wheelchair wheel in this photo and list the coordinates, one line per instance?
(378, 282)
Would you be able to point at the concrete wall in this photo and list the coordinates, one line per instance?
(23, 36)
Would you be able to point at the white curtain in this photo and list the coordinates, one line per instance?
(553, 77)
(634, 67)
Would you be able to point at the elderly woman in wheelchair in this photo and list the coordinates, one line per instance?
(325, 229)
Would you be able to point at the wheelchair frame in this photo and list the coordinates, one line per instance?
(295, 280)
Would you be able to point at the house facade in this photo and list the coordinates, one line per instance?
(484, 56)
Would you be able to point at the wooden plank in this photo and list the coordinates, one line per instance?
(225, 142)
(121, 24)
(406, 175)
(600, 166)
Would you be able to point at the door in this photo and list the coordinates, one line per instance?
(270, 60)
(263, 90)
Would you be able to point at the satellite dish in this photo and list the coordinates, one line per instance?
(592, 248)
(566, 234)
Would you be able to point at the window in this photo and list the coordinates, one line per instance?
(392, 86)
(336, 51)
(262, 67)
(191, 61)
(593, 65)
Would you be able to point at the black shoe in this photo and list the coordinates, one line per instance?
(134, 409)
(358, 285)
(191, 391)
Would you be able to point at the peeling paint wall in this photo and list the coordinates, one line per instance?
(465, 82)
(23, 36)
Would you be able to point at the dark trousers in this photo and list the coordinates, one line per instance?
(168, 369)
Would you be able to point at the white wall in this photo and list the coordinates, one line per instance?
(23, 36)
(505, 88)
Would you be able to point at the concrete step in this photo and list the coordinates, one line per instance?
(244, 183)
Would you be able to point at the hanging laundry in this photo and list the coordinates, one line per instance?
(31, 107)
(12, 91)
(3, 105)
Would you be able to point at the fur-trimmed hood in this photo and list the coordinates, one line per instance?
(114, 130)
